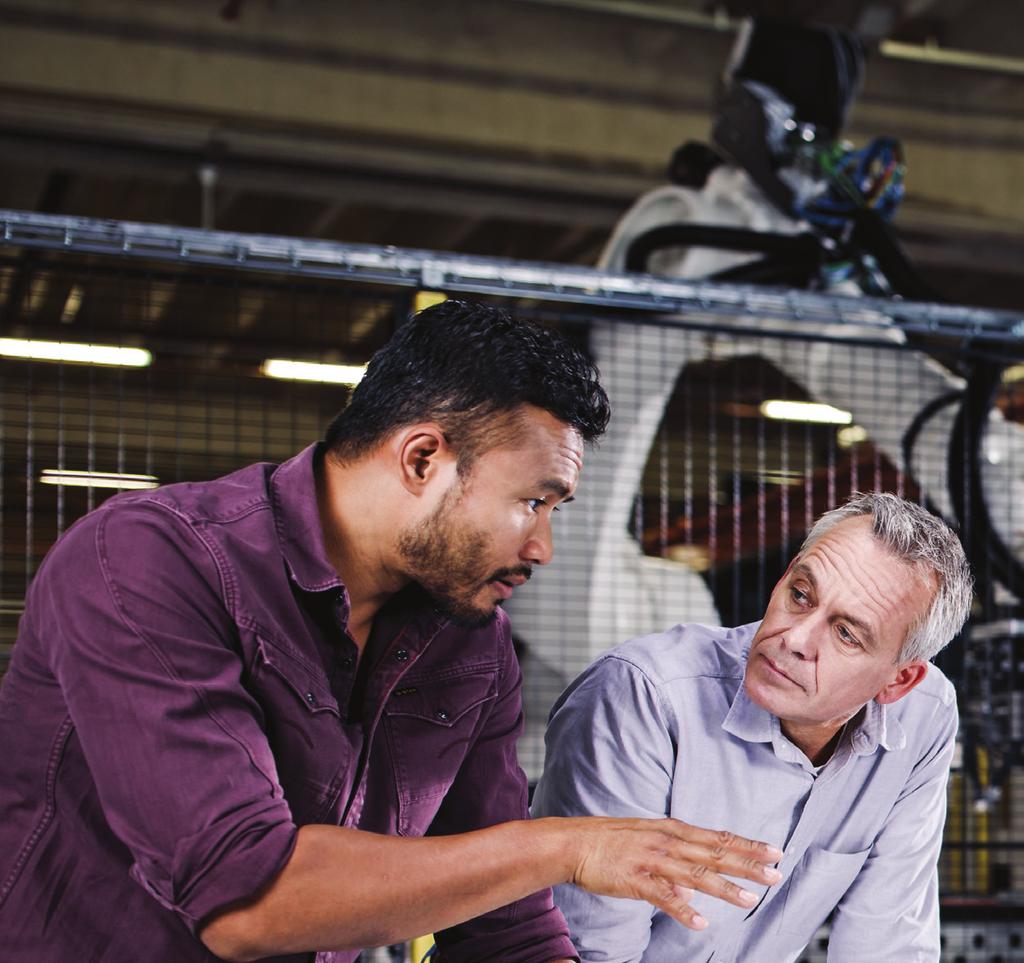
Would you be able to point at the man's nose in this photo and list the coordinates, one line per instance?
(539, 548)
(801, 639)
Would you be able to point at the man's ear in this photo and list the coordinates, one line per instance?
(907, 677)
(424, 456)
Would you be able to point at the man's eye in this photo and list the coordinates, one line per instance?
(799, 597)
(536, 503)
(845, 636)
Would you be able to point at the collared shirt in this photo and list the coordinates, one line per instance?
(183, 695)
(662, 725)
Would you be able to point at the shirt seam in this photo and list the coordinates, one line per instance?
(155, 650)
(49, 810)
(661, 683)
(667, 710)
(260, 503)
(228, 585)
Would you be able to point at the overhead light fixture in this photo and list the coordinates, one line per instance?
(805, 411)
(851, 435)
(339, 374)
(782, 477)
(97, 479)
(71, 351)
(72, 304)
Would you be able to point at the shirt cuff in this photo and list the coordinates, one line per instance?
(232, 874)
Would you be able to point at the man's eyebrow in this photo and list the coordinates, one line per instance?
(802, 569)
(558, 488)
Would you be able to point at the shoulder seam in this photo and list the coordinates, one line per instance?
(158, 654)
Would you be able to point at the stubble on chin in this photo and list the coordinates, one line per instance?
(443, 559)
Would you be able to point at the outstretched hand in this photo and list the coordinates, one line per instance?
(664, 861)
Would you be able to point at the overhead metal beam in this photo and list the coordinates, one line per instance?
(675, 302)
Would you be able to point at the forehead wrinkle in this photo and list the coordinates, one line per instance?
(876, 600)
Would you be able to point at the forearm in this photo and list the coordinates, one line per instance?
(346, 889)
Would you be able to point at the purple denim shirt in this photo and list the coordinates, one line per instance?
(183, 696)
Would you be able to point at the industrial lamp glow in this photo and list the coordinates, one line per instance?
(74, 352)
(340, 374)
(805, 411)
(97, 479)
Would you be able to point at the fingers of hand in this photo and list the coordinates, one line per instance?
(722, 839)
(686, 872)
(723, 855)
(700, 876)
(674, 900)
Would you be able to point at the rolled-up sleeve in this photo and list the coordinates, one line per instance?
(609, 752)
(132, 608)
(489, 789)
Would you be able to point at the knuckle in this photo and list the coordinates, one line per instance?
(699, 871)
(731, 891)
(725, 839)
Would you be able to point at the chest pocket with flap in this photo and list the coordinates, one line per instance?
(431, 724)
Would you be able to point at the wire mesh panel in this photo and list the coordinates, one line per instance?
(730, 434)
(75, 433)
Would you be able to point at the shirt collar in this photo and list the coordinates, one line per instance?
(297, 519)
(748, 721)
(879, 727)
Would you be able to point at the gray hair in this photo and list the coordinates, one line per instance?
(925, 542)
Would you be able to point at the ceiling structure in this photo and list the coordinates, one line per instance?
(512, 128)
(521, 128)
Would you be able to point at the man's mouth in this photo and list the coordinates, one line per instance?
(777, 671)
(506, 583)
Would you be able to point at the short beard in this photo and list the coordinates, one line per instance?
(445, 561)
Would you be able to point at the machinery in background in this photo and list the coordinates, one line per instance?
(779, 198)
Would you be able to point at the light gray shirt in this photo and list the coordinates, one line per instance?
(662, 725)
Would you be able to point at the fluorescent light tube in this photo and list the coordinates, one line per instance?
(341, 374)
(805, 411)
(97, 479)
(105, 354)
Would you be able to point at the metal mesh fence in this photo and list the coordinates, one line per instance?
(688, 510)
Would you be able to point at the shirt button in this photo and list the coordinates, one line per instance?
(442, 715)
(402, 655)
(310, 698)
(347, 662)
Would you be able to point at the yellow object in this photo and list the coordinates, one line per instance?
(427, 299)
(982, 871)
(420, 946)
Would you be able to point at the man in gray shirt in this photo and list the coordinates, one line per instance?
(822, 729)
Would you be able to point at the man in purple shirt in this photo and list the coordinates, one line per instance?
(231, 703)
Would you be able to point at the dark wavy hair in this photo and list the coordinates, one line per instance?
(469, 367)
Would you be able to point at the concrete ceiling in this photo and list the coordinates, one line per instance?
(520, 128)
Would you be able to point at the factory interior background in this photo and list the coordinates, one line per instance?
(278, 149)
